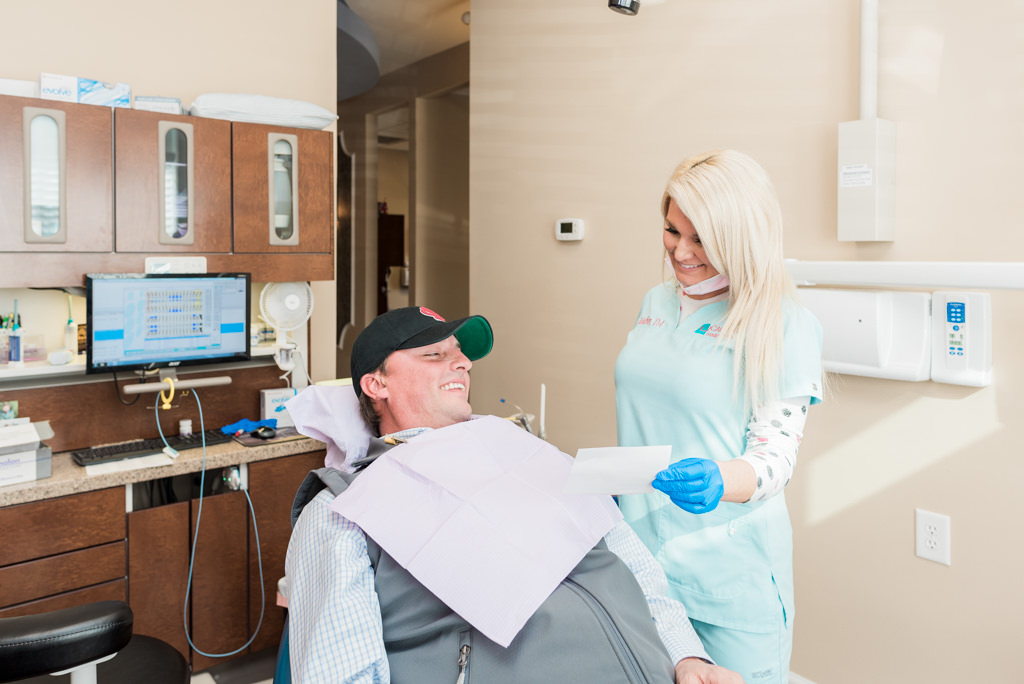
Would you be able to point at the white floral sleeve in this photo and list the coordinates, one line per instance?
(773, 439)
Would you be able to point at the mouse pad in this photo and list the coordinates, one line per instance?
(284, 434)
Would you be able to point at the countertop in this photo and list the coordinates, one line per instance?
(69, 478)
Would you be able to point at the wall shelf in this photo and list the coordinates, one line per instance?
(43, 370)
(974, 275)
(39, 369)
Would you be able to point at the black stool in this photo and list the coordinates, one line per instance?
(75, 639)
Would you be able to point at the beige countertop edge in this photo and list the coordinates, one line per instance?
(70, 478)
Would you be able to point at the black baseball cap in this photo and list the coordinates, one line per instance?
(412, 327)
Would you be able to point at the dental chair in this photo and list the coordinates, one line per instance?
(88, 644)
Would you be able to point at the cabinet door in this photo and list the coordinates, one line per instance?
(158, 552)
(272, 486)
(283, 189)
(56, 177)
(173, 183)
(159, 543)
(220, 587)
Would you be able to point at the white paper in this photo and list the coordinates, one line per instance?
(477, 513)
(330, 413)
(126, 464)
(617, 470)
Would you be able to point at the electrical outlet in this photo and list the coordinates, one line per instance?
(932, 537)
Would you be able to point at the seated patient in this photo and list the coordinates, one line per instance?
(356, 614)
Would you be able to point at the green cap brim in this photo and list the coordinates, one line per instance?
(475, 337)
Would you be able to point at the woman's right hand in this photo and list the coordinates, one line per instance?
(693, 484)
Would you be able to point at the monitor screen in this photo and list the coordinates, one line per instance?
(147, 321)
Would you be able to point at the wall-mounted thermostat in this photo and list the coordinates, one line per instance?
(569, 229)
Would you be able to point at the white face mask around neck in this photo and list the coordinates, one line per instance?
(713, 284)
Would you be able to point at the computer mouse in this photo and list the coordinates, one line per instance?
(264, 432)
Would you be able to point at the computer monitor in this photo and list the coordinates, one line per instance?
(151, 321)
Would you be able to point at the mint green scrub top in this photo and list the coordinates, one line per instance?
(733, 566)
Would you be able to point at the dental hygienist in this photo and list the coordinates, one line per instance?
(722, 364)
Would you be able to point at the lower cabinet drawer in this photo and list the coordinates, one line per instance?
(108, 591)
(45, 528)
(65, 572)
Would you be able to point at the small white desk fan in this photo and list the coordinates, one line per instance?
(285, 307)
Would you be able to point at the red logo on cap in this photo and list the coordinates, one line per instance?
(427, 312)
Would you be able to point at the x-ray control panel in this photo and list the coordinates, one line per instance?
(962, 338)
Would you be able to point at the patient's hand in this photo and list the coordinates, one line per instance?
(697, 671)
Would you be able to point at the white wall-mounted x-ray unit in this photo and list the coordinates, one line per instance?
(942, 336)
(875, 334)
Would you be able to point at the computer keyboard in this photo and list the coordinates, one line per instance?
(145, 447)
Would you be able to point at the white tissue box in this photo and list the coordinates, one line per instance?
(272, 403)
(23, 456)
(166, 105)
(26, 466)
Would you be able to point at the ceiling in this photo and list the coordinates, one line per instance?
(407, 31)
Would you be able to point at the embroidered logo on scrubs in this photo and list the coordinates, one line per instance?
(709, 330)
(653, 322)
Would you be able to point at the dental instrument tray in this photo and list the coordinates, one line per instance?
(145, 447)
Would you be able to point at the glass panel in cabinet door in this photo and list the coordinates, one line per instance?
(176, 183)
(45, 175)
(284, 206)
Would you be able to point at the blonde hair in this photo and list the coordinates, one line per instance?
(732, 205)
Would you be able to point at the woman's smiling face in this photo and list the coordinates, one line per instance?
(685, 252)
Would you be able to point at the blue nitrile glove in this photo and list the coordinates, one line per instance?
(693, 484)
(246, 425)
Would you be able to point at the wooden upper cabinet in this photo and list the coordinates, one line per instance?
(248, 197)
(283, 181)
(56, 176)
(173, 182)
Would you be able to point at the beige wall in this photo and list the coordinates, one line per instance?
(182, 50)
(441, 268)
(577, 111)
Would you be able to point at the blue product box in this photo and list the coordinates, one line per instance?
(100, 93)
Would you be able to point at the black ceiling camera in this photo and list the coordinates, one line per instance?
(628, 7)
